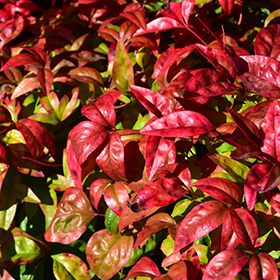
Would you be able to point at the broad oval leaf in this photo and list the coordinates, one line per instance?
(201, 220)
(221, 189)
(19, 60)
(107, 253)
(208, 82)
(179, 124)
(111, 159)
(73, 214)
(116, 197)
(145, 267)
(160, 193)
(5, 115)
(69, 265)
(122, 72)
(86, 137)
(226, 265)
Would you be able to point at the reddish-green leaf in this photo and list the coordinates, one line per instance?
(221, 189)
(116, 197)
(208, 82)
(226, 265)
(266, 42)
(87, 75)
(69, 265)
(158, 194)
(157, 149)
(86, 137)
(111, 159)
(201, 220)
(153, 225)
(271, 129)
(145, 267)
(107, 253)
(26, 85)
(45, 78)
(179, 124)
(152, 101)
(122, 73)
(73, 214)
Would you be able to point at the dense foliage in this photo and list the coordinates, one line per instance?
(139, 139)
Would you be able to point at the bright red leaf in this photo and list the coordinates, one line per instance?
(187, 7)
(227, 6)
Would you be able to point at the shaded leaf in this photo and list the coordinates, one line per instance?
(201, 220)
(179, 124)
(73, 214)
(137, 16)
(267, 42)
(107, 253)
(69, 265)
(208, 82)
(45, 78)
(226, 265)
(273, 178)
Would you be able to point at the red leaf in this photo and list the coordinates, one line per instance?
(145, 267)
(273, 200)
(96, 190)
(221, 189)
(245, 227)
(139, 41)
(19, 60)
(71, 218)
(249, 129)
(111, 159)
(116, 197)
(87, 75)
(101, 111)
(45, 78)
(273, 178)
(226, 265)
(152, 226)
(5, 115)
(136, 16)
(271, 129)
(178, 271)
(26, 85)
(223, 62)
(252, 183)
(263, 266)
(179, 124)
(11, 31)
(227, 6)
(187, 7)
(160, 24)
(157, 194)
(208, 82)
(172, 10)
(127, 29)
(229, 238)
(152, 101)
(86, 137)
(262, 75)
(201, 220)
(266, 41)
(156, 151)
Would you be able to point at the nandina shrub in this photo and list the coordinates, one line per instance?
(139, 140)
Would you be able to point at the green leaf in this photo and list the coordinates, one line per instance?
(111, 221)
(237, 170)
(122, 73)
(69, 266)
